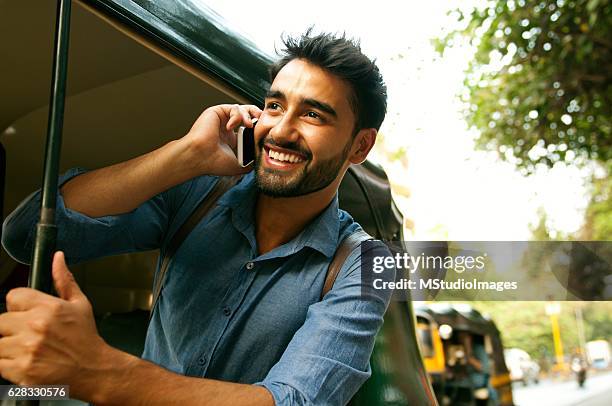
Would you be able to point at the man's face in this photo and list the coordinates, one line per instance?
(304, 134)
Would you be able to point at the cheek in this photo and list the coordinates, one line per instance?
(260, 133)
(325, 146)
(262, 129)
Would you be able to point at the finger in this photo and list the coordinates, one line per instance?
(232, 142)
(9, 370)
(230, 161)
(235, 118)
(64, 282)
(12, 323)
(11, 347)
(246, 116)
(241, 116)
(22, 299)
(254, 111)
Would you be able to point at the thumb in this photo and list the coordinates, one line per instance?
(64, 282)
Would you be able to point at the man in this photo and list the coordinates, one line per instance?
(479, 368)
(239, 320)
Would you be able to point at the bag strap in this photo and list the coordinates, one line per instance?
(224, 184)
(342, 252)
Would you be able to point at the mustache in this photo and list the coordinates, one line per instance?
(291, 146)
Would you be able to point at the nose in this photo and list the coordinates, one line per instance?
(284, 131)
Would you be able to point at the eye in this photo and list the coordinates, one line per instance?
(313, 114)
(272, 106)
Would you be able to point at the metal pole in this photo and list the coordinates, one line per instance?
(2, 183)
(580, 324)
(46, 230)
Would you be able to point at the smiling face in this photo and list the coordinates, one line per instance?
(305, 133)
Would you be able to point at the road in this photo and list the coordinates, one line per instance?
(597, 391)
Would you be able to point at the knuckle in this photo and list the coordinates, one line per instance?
(27, 379)
(11, 296)
(5, 374)
(85, 307)
(54, 308)
(41, 326)
(34, 346)
(26, 366)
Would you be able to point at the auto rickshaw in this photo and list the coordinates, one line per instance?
(448, 335)
(138, 74)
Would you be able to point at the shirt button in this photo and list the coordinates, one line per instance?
(201, 361)
(227, 311)
(250, 265)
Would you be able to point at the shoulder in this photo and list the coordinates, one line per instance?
(361, 256)
(181, 200)
(189, 192)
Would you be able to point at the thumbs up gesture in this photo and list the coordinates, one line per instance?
(50, 340)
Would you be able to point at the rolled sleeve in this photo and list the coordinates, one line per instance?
(82, 237)
(327, 359)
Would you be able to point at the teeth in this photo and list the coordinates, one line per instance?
(283, 157)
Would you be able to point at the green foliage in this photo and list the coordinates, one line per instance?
(540, 86)
(598, 320)
(598, 224)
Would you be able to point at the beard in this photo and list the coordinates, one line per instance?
(307, 179)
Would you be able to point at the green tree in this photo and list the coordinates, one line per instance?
(598, 221)
(539, 88)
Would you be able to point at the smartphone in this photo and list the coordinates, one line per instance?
(246, 145)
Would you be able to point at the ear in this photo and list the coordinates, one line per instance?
(362, 144)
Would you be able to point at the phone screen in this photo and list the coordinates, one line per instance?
(246, 145)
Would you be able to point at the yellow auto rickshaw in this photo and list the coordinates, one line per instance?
(463, 355)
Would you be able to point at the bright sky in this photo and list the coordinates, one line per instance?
(456, 193)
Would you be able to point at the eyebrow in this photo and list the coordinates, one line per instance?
(277, 94)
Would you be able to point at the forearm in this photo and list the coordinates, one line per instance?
(475, 363)
(123, 187)
(128, 380)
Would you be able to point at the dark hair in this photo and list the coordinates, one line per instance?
(342, 57)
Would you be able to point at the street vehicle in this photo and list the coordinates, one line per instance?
(139, 73)
(522, 367)
(598, 354)
(441, 329)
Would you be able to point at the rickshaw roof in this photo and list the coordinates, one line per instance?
(458, 316)
(198, 35)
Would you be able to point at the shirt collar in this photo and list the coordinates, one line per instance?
(320, 234)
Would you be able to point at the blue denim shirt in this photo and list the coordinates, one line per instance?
(226, 312)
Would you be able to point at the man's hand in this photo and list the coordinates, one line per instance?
(205, 150)
(50, 340)
(53, 341)
(212, 137)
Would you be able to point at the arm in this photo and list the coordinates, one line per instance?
(89, 207)
(127, 380)
(205, 150)
(50, 340)
(53, 341)
(327, 360)
(475, 363)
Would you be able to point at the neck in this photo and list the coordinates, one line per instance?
(279, 220)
